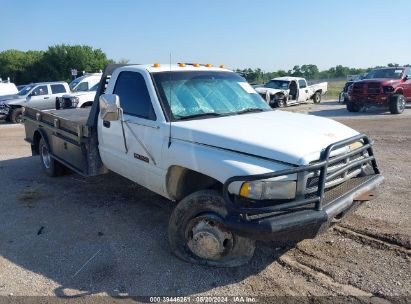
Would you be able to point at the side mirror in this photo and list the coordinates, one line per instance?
(109, 107)
(407, 77)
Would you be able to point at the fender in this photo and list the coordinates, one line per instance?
(218, 163)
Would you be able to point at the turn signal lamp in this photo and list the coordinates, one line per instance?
(156, 65)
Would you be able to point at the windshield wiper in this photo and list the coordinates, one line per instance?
(250, 110)
(211, 114)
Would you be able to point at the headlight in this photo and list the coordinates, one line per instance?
(261, 190)
(388, 89)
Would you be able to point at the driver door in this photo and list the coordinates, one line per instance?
(137, 157)
(39, 97)
(303, 92)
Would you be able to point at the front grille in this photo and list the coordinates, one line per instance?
(367, 88)
(345, 165)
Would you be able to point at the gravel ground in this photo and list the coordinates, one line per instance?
(71, 236)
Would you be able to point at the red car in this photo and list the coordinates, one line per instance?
(388, 88)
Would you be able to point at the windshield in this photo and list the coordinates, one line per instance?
(199, 94)
(394, 73)
(74, 83)
(25, 90)
(94, 88)
(277, 84)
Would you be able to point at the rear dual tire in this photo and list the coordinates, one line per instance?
(50, 166)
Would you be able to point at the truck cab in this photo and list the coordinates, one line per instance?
(196, 134)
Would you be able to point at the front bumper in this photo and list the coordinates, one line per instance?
(371, 99)
(305, 217)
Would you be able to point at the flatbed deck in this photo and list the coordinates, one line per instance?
(72, 121)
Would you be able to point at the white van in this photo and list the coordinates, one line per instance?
(7, 88)
(85, 82)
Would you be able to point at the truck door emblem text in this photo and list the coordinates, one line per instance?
(141, 157)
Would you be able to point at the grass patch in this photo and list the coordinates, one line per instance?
(334, 89)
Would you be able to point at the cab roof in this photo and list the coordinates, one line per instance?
(154, 68)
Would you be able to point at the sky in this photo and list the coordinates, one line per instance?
(264, 34)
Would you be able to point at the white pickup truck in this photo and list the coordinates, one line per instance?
(196, 135)
(285, 91)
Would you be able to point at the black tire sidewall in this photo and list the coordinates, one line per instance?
(200, 202)
(16, 113)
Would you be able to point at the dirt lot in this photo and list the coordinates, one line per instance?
(70, 236)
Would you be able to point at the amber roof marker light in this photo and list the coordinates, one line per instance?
(208, 65)
(156, 65)
(222, 66)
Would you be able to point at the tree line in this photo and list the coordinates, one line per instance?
(57, 61)
(308, 71)
(51, 65)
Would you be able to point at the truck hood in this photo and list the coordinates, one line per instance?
(8, 97)
(271, 91)
(293, 138)
(382, 81)
(80, 94)
(14, 101)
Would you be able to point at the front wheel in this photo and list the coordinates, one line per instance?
(317, 97)
(397, 104)
(17, 116)
(197, 233)
(353, 106)
(50, 165)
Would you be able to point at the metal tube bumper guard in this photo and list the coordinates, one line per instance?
(312, 213)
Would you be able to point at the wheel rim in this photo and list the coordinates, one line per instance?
(281, 104)
(207, 238)
(402, 104)
(19, 118)
(45, 156)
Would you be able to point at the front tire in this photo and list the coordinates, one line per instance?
(17, 116)
(52, 167)
(197, 234)
(353, 107)
(397, 104)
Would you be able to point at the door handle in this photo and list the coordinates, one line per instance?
(46, 97)
(106, 124)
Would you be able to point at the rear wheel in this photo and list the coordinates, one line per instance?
(197, 233)
(397, 104)
(17, 115)
(317, 97)
(50, 165)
